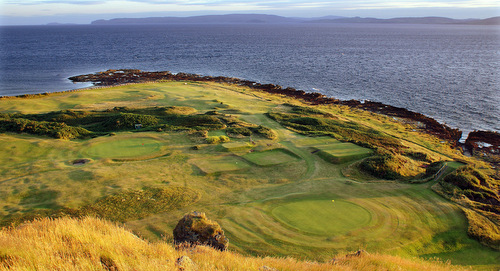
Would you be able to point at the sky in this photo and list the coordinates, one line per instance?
(30, 12)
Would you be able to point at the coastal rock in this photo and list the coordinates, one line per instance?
(484, 141)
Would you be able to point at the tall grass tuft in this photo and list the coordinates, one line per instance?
(94, 244)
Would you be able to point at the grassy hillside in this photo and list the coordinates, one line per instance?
(92, 244)
(273, 188)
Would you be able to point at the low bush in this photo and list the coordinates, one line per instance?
(419, 156)
(474, 185)
(380, 166)
(341, 130)
(196, 229)
(52, 129)
(129, 120)
(217, 139)
(433, 168)
(238, 131)
(264, 131)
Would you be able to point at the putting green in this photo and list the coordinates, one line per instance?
(323, 217)
(119, 147)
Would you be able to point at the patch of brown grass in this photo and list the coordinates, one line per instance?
(95, 244)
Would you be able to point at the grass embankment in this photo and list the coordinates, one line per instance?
(93, 244)
(38, 174)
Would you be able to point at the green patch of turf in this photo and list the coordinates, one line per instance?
(323, 217)
(342, 152)
(236, 146)
(271, 157)
(118, 147)
(221, 164)
(315, 141)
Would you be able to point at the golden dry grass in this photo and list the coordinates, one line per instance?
(94, 244)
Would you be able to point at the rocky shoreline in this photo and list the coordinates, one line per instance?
(474, 141)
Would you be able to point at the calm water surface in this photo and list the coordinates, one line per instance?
(448, 72)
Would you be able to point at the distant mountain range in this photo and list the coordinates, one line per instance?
(274, 19)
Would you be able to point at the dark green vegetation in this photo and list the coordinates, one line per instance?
(316, 123)
(70, 124)
(259, 186)
(480, 193)
(390, 153)
(18, 124)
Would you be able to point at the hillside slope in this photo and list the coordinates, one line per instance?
(93, 244)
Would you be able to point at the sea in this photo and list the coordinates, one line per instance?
(448, 72)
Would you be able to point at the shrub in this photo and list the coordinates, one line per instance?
(195, 229)
(238, 131)
(129, 120)
(52, 129)
(379, 166)
(419, 156)
(224, 139)
(217, 139)
(433, 168)
(213, 140)
(341, 130)
(264, 131)
(200, 133)
(474, 185)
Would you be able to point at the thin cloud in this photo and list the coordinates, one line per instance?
(43, 2)
(282, 4)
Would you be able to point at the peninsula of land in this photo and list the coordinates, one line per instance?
(280, 173)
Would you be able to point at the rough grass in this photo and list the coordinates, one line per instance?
(119, 207)
(482, 228)
(133, 205)
(93, 244)
(237, 146)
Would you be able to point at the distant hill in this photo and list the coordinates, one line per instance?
(489, 21)
(210, 19)
(274, 19)
(411, 20)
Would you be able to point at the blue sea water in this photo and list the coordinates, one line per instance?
(448, 72)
